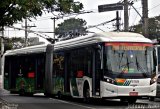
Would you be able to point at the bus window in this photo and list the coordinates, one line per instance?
(6, 72)
(81, 60)
(58, 72)
(40, 69)
(58, 64)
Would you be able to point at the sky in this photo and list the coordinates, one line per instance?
(44, 23)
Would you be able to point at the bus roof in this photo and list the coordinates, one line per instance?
(84, 40)
(27, 50)
(102, 37)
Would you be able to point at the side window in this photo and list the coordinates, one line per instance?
(26, 66)
(81, 62)
(88, 61)
(40, 70)
(58, 64)
(6, 67)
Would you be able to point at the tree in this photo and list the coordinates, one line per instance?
(18, 42)
(9, 42)
(12, 11)
(153, 28)
(71, 28)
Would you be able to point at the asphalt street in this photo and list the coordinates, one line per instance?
(39, 101)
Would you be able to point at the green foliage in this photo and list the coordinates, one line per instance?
(71, 28)
(153, 27)
(136, 28)
(12, 11)
(15, 42)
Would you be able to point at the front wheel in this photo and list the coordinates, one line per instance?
(87, 95)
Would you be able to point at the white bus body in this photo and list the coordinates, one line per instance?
(120, 65)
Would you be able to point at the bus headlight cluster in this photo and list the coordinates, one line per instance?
(109, 80)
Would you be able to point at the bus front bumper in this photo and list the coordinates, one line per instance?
(110, 90)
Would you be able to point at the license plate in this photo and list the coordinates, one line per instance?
(133, 93)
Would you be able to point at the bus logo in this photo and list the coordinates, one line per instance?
(127, 83)
(131, 83)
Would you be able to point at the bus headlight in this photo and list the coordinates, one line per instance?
(153, 80)
(109, 80)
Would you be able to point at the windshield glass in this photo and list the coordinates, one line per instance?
(129, 60)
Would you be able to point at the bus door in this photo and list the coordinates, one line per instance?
(96, 72)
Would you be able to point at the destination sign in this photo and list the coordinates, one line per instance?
(128, 47)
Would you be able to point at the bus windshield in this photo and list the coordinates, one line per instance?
(129, 60)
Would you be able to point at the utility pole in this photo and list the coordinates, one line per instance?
(54, 21)
(26, 32)
(145, 18)
(126, 18)
(117, 21)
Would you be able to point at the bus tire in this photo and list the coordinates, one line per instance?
(86, 94)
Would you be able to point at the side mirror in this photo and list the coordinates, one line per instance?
(155, 57)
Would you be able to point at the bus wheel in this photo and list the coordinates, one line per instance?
(132, 100)
(21, 92)
(87, 95)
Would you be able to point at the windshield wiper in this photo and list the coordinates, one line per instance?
(141, 68)
(124, 68)
(121, 59)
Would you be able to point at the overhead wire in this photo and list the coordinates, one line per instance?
(154, 7)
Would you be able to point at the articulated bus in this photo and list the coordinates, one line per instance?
(100, 65)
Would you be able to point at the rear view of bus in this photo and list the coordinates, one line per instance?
(129, 70)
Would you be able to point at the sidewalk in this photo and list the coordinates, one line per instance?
(4, 92)
(3, 103)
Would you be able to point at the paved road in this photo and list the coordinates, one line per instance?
(41, 102)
